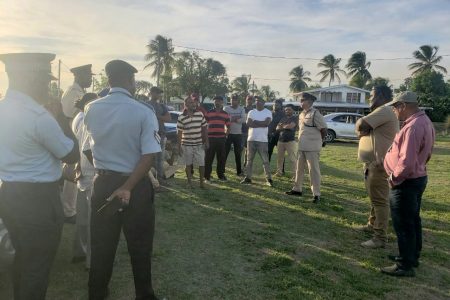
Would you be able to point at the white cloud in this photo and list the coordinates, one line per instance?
(85, 31)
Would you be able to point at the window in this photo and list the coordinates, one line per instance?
(353, 97)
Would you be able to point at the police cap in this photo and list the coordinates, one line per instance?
(38, 63)
(119, 68)
(82, 70)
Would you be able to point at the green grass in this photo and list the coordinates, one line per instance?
(253, 242)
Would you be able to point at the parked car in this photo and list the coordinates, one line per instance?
(341, 125)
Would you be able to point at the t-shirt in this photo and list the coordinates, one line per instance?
(217, 120)
(191, 128)
(373, 147)
(160, 110)
(258, 134)
(310, 123)
(288, 135)
(239, 112)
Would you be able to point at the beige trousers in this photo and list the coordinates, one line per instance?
(310, 158)
(288, 147)
(378, 189)
(69, 198)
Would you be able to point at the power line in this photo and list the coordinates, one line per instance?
(281, 57)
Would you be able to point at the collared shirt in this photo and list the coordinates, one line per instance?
(310, 123)
(239, 112)
(411, 149)
(87, 169)
(191, 128)
(120, 130)
(217, 121)
(31, 141)
(373, 147)
(72, 94)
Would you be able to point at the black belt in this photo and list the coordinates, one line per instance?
(109, 172)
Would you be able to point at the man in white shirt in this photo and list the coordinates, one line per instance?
(258, 121)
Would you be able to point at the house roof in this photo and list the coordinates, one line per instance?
(331, 88)
(340, 104)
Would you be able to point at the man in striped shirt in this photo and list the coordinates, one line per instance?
(218, 127)
(192, 139)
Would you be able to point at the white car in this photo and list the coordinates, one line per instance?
(341, 125)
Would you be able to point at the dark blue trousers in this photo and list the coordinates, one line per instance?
(405, 200)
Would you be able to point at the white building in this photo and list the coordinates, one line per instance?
(340, 98)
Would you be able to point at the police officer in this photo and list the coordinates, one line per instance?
(31, 147)
(82, 80)
(312, 131)
(123, 136)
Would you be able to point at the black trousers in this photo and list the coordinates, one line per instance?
(236, 141)
(137, 221)
(33, 215)
(216, 148)
(406, 200)
(272, 142)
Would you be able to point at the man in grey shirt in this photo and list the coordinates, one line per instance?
(237, 116)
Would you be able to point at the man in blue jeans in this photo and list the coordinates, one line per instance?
(405, 164)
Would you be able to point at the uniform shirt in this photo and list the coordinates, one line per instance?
(31, 141)
(258, 134)
(373, 147)
(217, 121)
(411, 149)
(72, 94)
(120, 130)
(239, 112)
(288, 135)
(87, 169)
(191, 128)
(310, 123)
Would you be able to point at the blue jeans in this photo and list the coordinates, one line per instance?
(405, 200)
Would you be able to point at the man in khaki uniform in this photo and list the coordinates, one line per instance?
(377, 131)
(82, 80)
(312, 131)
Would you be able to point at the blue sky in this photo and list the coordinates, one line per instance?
(84, 31)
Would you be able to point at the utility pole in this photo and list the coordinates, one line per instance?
(59, 79)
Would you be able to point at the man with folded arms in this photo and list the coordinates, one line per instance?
(405, 164)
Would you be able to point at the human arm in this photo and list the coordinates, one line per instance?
(362, 128)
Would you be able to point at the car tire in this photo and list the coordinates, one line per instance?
(330, 136)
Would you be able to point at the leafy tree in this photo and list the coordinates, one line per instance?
(299, 77)
(427, 60)
(143, 87)
(357, 81)
(332, 69)
(242, 85)
(432, 92)
(358, 68)
(267, 93)
(377, 81)
(160, 56)
(207, 77)
(99, 84)
(405, 86)
(313, 86)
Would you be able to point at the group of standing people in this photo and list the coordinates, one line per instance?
(108, 146)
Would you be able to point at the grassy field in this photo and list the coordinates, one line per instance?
(253, 242)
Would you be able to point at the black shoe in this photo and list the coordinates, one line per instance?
(223, 178)
(397, 258)
(316, 199)
(294, 193)
(246, 180)
(269, 182)
(240, 174)
(396, 270)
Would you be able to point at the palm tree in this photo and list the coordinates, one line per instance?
(332, 69)
(143, 87)
(160, 56)
(299, 79)
(358, 67)
(241, 85)
(427, 60)
(267, 93)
